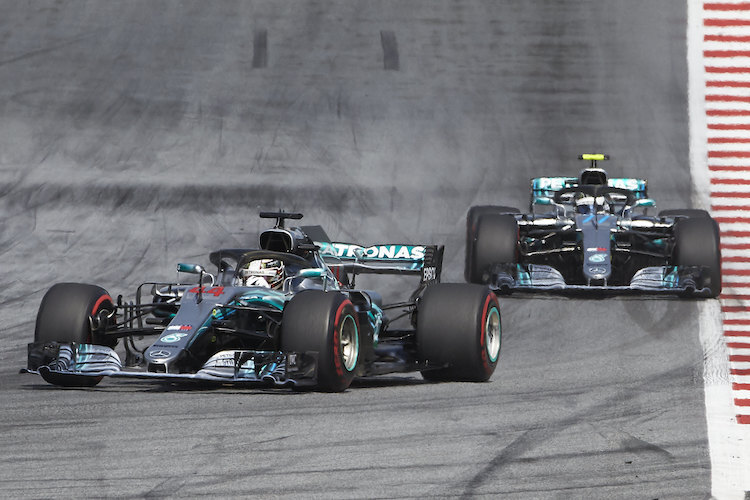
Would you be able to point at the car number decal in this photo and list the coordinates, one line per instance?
(215, 291)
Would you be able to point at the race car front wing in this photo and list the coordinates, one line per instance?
(70, 364)
(666, 280)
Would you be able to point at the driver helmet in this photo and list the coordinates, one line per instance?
(585, 205)
(591, 205)
(263, 272)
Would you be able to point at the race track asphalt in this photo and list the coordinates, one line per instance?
(138, 134)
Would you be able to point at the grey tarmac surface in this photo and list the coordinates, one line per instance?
(138, 134)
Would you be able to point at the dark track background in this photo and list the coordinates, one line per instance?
(138, 134)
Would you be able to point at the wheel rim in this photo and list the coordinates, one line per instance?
(492, 334)
(349, 342)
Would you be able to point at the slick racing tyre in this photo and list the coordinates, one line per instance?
(496, 241)
(697, 244)
(459, 332)
(472, 219)
(75, 313)
(324, 322)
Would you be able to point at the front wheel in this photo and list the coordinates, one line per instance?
(326, 323)
(75, 313)
(459, 332)
(496, 242)
(472, 223)
(697, 243)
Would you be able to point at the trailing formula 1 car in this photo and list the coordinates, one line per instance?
(286, 314)
(592, 233)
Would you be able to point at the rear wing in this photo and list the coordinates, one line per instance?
(548, 186)
(352, 258)
(424, 260)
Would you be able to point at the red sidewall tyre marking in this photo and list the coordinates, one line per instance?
(102, 299)
(337, 354)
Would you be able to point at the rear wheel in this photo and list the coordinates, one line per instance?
(472, 220)
(496, 241)
(459, 332)
(324, 322)
(697, 244)
(75, 313)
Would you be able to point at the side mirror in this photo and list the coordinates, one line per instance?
(644, 202)
(313, 272)
(195, 269)
(190, 268)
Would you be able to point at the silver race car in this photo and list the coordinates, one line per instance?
(593, 234)
(287, 314)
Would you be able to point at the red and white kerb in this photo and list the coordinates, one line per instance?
(726, 56)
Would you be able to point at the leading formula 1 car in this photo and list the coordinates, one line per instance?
(286, 314)
(592, 233)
